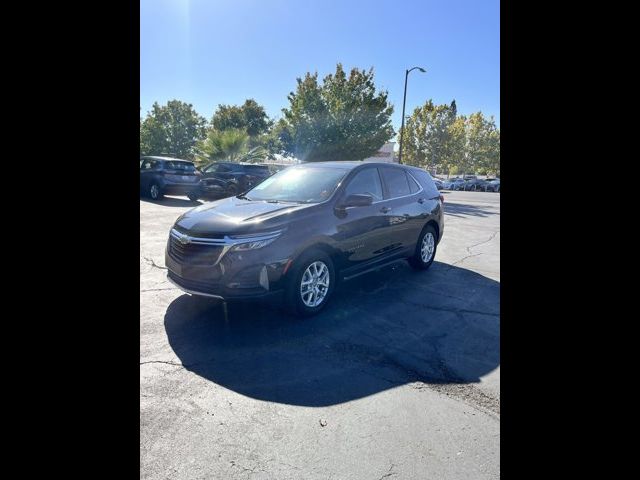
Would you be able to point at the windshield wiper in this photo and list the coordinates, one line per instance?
(242, 197)
(283, 201)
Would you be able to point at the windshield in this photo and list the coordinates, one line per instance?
(303, 184)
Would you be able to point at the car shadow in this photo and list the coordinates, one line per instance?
(172, 202)
(466, 210)
(382, 330)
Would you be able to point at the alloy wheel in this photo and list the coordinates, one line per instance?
(427, 247)
(315, 284)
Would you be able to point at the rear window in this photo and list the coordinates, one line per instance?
(182, 166)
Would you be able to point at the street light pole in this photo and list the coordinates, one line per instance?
(404, 101)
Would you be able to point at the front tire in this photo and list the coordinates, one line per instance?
(425, 249)
(193, 196)
(311, 283)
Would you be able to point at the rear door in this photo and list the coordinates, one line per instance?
(147, 170)
(407, 215)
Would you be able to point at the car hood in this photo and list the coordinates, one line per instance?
(234, 215)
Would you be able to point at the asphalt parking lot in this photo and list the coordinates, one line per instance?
(398, 378)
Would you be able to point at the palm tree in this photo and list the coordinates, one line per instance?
(231, 145)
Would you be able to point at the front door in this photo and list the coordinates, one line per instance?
(363, 233)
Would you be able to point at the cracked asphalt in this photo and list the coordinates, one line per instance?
(398, 378)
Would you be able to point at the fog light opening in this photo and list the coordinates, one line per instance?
(264, 278)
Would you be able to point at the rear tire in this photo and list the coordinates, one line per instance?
(155, 192)
(311, 283)
(425, 249)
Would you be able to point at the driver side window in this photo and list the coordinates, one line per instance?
(367, 181)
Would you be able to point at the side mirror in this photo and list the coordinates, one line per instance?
(357, 200)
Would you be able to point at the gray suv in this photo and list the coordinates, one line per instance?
(168, 176)
(302, 231)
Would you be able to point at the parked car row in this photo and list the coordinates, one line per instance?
(469, 183)
(171, 176)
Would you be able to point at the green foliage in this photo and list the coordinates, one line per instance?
(344, 118)
(231, 145)
(250, 117)
(341, 118)
(482, 147)
(172, 129)
(436, 138)
(427, 139)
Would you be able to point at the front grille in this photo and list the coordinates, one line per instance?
(194, 254)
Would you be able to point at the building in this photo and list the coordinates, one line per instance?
(385, 154)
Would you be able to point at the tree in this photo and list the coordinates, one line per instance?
(231, 145)
(172, 129)
(250, 117)
(344, 118)
(427, 138)
(456, 157)
(482, 147)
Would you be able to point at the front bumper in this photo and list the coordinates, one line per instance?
(220, 293)
(221, 272)
(170, 188)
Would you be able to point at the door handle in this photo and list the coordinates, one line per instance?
(421, 200)
(385, 209)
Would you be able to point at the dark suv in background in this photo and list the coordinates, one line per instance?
(305, 229)
(168, 176)
(225, 179)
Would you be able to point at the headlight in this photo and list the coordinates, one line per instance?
(254, 241)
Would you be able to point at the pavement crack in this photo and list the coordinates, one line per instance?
(389, 472)
(165, 363)
(158, 289)
(484, 241)
(154, 264)
(451, 309)
(465, 257)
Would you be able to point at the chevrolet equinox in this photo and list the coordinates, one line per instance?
(303, 230)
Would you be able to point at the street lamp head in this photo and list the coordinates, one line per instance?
(422, 70)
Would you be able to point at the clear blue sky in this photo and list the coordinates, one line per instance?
(208, 52)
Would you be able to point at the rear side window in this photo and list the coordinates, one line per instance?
(366, 181)
(396, 182)
(431, 191)
(415, 188)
